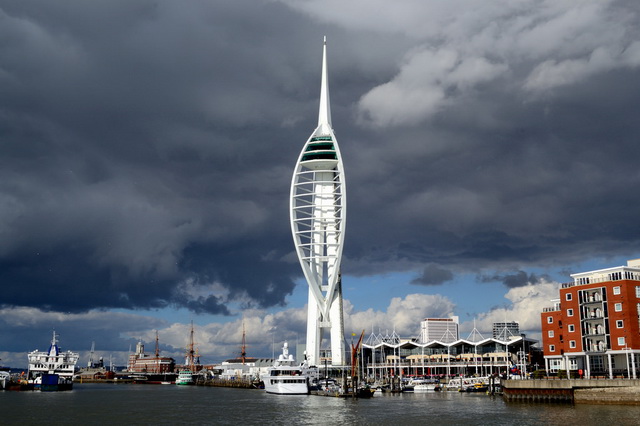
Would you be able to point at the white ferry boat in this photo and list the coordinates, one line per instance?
(185, 377)
(53, 369)
(287, 378)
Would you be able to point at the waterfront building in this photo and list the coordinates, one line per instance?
(390, 356)
(444, 330)
(593, 327)
(506, 330)
(141, 362)
(247, 368)
(318, 207)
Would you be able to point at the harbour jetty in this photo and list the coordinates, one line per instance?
(578, 391)
(228, 383)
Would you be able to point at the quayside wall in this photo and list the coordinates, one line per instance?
(579, 391)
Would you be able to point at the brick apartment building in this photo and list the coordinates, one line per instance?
(593, 327)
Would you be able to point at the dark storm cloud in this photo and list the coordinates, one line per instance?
(133, 132)
(506, 178)
(146, 147)
(518, 279)
(433, 275)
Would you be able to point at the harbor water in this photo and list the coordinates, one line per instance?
(195, 405)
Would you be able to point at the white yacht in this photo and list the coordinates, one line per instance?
(5, 378)
(424, 385)
(53, 369)
(287, 378)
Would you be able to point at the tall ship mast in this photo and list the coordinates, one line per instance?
(191, 357)
(318, 207)
(187, 374)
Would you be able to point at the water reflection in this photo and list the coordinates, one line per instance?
(148, 404)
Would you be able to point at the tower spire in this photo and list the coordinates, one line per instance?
(317, 213)
(324, 115)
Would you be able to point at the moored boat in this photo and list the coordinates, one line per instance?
(185, 377)
(52, 370)
(5, 378)
(477, 387)
(468, 384)
(424, 385)
(287, 378)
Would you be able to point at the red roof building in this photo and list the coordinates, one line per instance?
(593, 329)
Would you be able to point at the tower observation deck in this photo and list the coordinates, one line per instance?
(317, 212)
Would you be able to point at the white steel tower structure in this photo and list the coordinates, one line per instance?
(318, 209)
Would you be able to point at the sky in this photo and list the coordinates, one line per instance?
(147, 149)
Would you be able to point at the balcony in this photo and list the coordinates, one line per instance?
(593, 318)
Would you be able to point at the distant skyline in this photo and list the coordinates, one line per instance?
(146, 151)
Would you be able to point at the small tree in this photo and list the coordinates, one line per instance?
(539, 374)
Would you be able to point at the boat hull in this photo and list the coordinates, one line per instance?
(154, 379)
(283, 385)
(426, 388)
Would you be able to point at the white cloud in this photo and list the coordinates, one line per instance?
(21, 316)
(402, 315)
(218, 341)
(427, 83)
(552, 73)
(459, 44)
(526, 305)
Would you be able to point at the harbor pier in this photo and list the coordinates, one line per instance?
(586, 391)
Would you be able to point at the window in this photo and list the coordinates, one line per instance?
(550, 333)
(569, 312)
(573, 364)
(638, 291)
(572, 343)
(619, 324)
(597, 362)
(616, 290)
(550, 320)
(572, 328)
(552, 348)
(620, 341)
(568, 297)
(618, 307)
